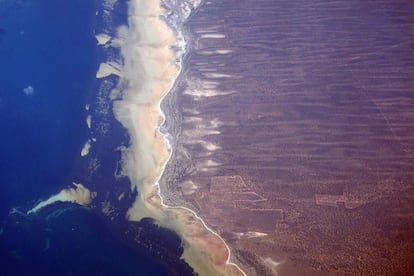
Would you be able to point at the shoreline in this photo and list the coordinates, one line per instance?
(145, 160)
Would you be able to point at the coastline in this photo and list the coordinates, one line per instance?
(149, 73)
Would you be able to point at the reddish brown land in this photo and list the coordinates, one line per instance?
(293, 133)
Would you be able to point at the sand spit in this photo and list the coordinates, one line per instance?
(102, 38)
(80, 195)
(149, 72)
(108, 68)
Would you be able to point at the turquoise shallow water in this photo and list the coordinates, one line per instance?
(49, 59)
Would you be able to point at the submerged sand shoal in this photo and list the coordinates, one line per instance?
(149, 73)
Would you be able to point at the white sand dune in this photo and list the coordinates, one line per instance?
(89, 121)
(86, 148)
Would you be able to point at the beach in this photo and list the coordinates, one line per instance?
(182, 137)
(151, 68)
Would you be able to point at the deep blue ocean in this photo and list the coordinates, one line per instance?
(49, 58)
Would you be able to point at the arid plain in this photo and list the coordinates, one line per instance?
(292, 128)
